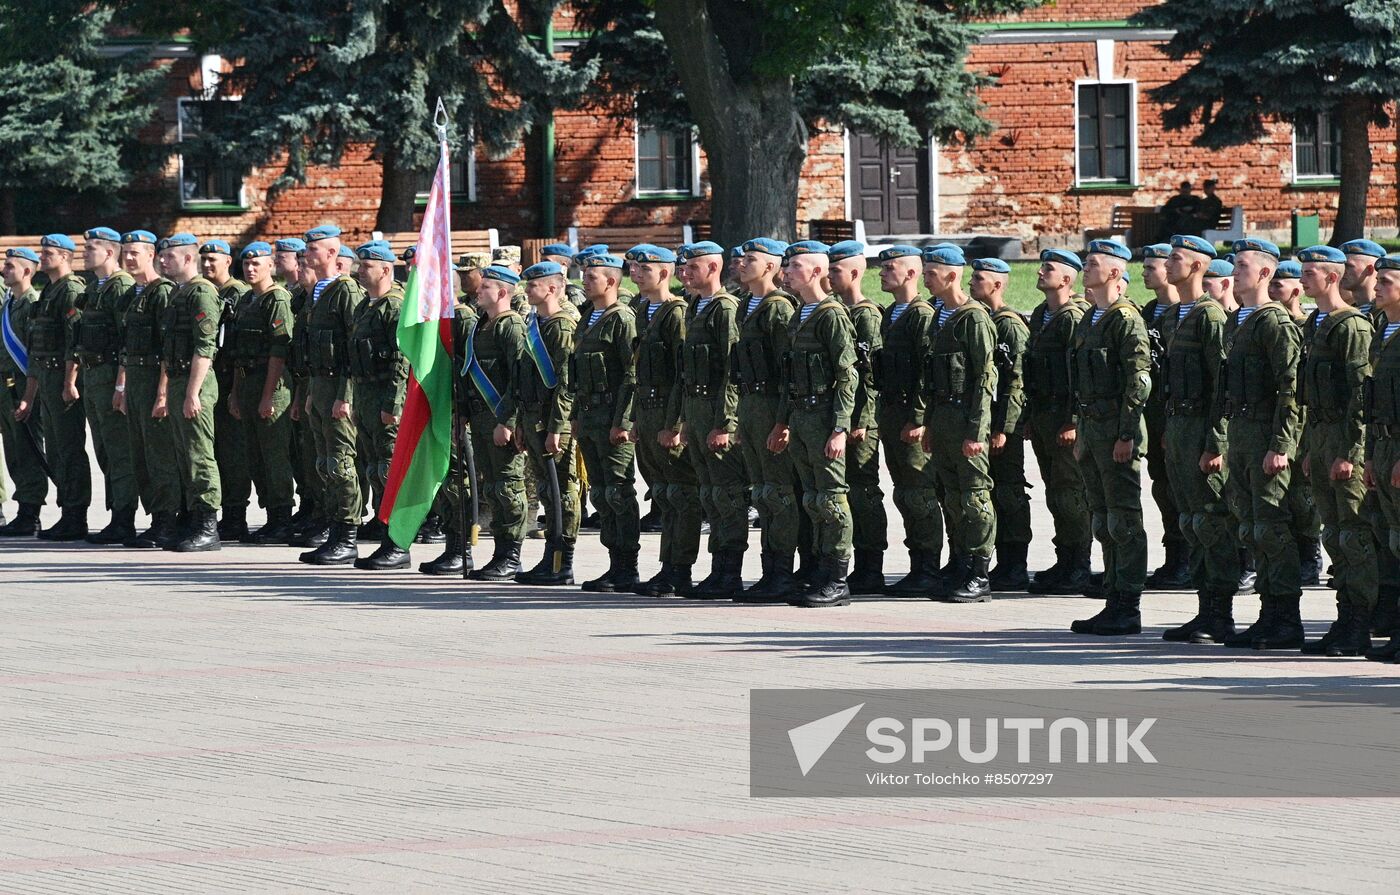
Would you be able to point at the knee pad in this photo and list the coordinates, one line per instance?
(341, 468)
(1357, 544)
(1186, 524)
(979, 506)
(621, 497)
(598, 495)
(1099, 523)
(1124, 526)
(1332, 540)
(1272, 538)
(1212, 528)
(831, 507)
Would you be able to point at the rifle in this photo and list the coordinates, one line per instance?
(556, 501)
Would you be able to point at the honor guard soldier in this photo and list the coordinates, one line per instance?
(379, 373)
(1007, 445)
(189, 341)
(97, 337)
(1333, 377)
(1359, 279)
(1050, 422)
(1256, 396)
(763, 342)
(1383, 434)
(330, 319)
(1195, 436)
(261, 340)
(230, 448)
(575, 303)
(545, 395)
(659, 422)
(1286, 288)
(867, 499)
(814, 420)
(494, 351)
(1110, 354)
(21, 448)
(604, 379)
(1218, 285)
(710, 411)
(906, 335)
(52, 384)
(960, 382)
(307, 527)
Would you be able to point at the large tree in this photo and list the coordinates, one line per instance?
(1257, 60)
(69, 114)
(315, 78)
(757, 76)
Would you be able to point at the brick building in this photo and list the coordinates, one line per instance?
(1076, 134)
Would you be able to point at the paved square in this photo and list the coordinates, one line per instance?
(238, 722)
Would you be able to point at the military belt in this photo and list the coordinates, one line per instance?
(762, 387)
(141, 360)
(810, 402)
(699, 390)
(46, 363)
(88, 359)
(1186, 408)
(249, 363)
(181, 365)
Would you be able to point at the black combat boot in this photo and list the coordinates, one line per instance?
(922, 580)
(505, 562)
(829, 588)
(1010, 575)
(1043, 581)
(118, 531)
(453, 560)
(340, 547)
(1320, 646)
(1124, 616)
(758, 591)
(971, 585)
(1384, 618)
(431, 531)
(1355, 639)
(1245, 639)
(603, 584)
(716, 571)
(651, 522)
(313, 532)
(373, 530)
(71, 526)
(203, 534)
(782, 583)
(808, 569)
(234, 524)
(1310, 562)
(1285, 630)
(1386, 652)
(624, 579)
(649, 587)
(388, 556)
(1096, 586)
(1183, 633)
(1175, 572)
(725, 582)
(25, 525)
(1220, 620)
(1248, 575)
(1069, 574)
(161, 532)
(672, 581)
(277, 529)
(544, 573)
(868, 573)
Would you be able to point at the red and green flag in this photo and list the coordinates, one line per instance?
(423, 448)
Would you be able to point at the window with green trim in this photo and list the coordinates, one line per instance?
(207, 179)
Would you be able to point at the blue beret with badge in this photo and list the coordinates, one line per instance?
(702, 248)
(256, 250)
(22, 252)
(1363, 247)
(650, 254)
(1110, 248)
(57, 241)
(179, 240)
(503, 274)
(846, 248)
(1288, 270)
(410, 253)
(215, 247)
(557, 248)
(139, 237)
(1062, 256)
(1255, 244)
(1193, 244)
(1219, 267)
(764, 246)
(376, 250)
(325, 231)
(898, 251)
(991, 265)
(737, 252)
(542, 270)
(1324, 254)
(1156, 250)
(806, 247)
(944, 253)
(103, 233)
(345, 252)
(291, 244)
(1388, 262)
(602, 260)
(598, 249)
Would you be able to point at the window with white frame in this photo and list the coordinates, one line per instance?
(1317, 148)
(461, 173)
(206, 178)
(666, 161)
(1105, 132)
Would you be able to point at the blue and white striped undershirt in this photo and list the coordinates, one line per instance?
(1321, 316)
(1097, 315)
(897, 310)
(1243, 313)
(754, 303)
(593, 316)
(943, 315)
(806, 311)
(1391, 329)
(319, 288)
(700, 305)
(1185, 309)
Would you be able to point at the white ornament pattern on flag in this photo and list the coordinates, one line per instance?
(434, 254)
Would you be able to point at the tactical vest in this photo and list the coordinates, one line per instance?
(231, 296)
(809, 373)
(1250, 391)
(704, 360)
(1323, 381)
(1160, 321)
(299, 355)
(949, 376)
(177, 345)
(1188, 392)
(464, 320)
(1003, 357)
(327, 342)
(490, 352)
(529, 383)
(374, 347)
(251, 343)
(899, 365)
(1383, 404)
(1046, 367)
(142, 322)
(658, 364)
(98, 336)
(756, 365)
(1098, 380)
(596, 373)
(47, 334)
(865, 351)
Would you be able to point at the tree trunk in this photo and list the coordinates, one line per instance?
(750, 128)
(1356, 169)
(397, 196)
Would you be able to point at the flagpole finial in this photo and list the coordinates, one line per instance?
(440, 120)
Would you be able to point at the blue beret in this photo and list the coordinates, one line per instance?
(557, 248)
(1388, 262)
(1127, 277)
(255, 250)
(145, 237)
(291, 244)
(376, 250)
(22, 252)
(944, 253)
(109, 234)
(1110, 248)
(177, 240)
(411, 252)
(736, 252)
(1194, 244)
(806, 247)
(603, 260)
(763, 245)
(346, 252)
(898, 251)
(598, 249)
(57, 241)
(1156, 250)
(995, 265)
(1363, 247)
(215, 247)
(1062, 256)
(1220, 268)
(1254, 244)
(1322, 253)
(543, 269)
(325, 231)
(504, 274)
(1288, 270)
(650, 254)
(699, 249)
(847, 248)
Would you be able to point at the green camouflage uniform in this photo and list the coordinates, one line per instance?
(546, 411)
(191, 330)
(497, 344)
(711, 402)
(1383, 449)
(1008, 468)
(1050, 407)
(97, 338)
(231, 449)
(604, 378)
(154, 454)
(899, 377)
(757, 359)
(51, 332)
(863, 457)
(1306, 522)
(303, 443)
(262, 329)
(380, 376)
(21, 459)
(329, 322)
(1161, 320)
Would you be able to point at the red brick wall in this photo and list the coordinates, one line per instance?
(1079, 11)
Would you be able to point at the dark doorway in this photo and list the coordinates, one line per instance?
(890, 186)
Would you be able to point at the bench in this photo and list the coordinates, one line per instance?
(463, 241)
(620, 239)
(832, 230)
(1229, 228)
(1120, 223)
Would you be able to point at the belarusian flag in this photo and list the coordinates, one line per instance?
(423, 448)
